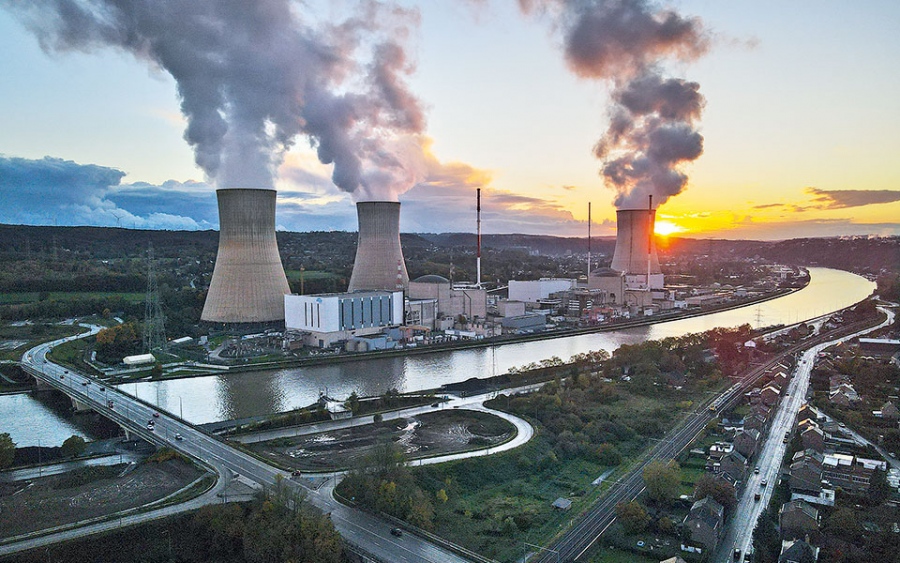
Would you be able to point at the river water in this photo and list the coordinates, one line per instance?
(228, 396)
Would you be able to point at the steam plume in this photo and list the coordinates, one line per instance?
(652, 126)
(253, 75)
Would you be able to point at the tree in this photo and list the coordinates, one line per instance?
(441, 495)
(720, 490)
(377, 418)
(662, 480)
(7, 450)
(879, 489)
(632, 516)
(353, 402)
(156, 371)
(73, 446)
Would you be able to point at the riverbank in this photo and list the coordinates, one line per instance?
(473, 344)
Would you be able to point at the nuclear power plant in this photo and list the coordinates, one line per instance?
(379, 264)
(635, 254)
(248, 284)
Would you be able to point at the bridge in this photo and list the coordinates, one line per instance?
(363, 532)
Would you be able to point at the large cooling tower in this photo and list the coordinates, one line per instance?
(248, 283)
(379, 263)
(634, 243)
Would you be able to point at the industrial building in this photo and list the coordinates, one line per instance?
(322, 321)
(534, 291)
(248, 284)
(459, 302)
(379, 264)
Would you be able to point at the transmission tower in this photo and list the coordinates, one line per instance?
(154, 321)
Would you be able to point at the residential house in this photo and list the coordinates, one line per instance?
(889, 411)
(770, 395)
(836, 381)
(734, 465)
(844, 396)
(807, 412)
(780, 379)
(806, 472)
(798, 551)
(813, 438)
(746, 442)
(755, 421)
(704, 525)
(797, 518)
(849, 473)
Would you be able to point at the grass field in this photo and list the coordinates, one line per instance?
(34, 296)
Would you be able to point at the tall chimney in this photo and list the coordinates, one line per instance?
(589, 243)
(478, 252)
(248, 284)
(379, 263)
(635, 245)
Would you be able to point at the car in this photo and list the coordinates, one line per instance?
(764, 483)
(179, 437)
(435, 404)
(296, 473)
(736, 554)
(151, 427)
(151, 422)
(103, 389)
(756, 470)
(62, 376)
(84, 383)
(756, 497)
(396, 532)
(65, 371)
(156, 415)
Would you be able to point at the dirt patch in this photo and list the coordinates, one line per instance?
(87, 493)
(425, 435)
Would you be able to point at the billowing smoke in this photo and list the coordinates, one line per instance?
(653, 120)
(253, 75)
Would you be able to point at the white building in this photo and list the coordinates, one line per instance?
(335, 317)
(535, 290)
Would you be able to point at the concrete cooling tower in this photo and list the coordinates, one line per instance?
(636, 247)
(248, 283)
(379, 263)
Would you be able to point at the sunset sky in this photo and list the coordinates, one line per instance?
(801, 127)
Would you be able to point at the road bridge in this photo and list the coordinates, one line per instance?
(358, 528)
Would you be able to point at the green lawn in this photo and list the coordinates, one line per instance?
(34, 296)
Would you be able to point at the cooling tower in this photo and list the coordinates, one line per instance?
(634, 243)
(379, 263)
(248, 283)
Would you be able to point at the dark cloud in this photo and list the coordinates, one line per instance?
(840, 199)
(252, 76)
(53, 191)
(652, 123)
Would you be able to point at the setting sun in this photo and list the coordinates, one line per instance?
(666, 228)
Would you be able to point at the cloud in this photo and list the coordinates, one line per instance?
(752, 228)
(841, 199)
(54, 191)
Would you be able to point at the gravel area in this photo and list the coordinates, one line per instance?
(28, 506)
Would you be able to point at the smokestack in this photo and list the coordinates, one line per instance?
(248, 283)
(589, 242)
(478, 252)
(379, 263)
(635, 246)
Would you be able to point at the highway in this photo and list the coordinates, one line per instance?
(356, 527)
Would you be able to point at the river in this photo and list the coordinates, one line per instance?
(238, 395)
